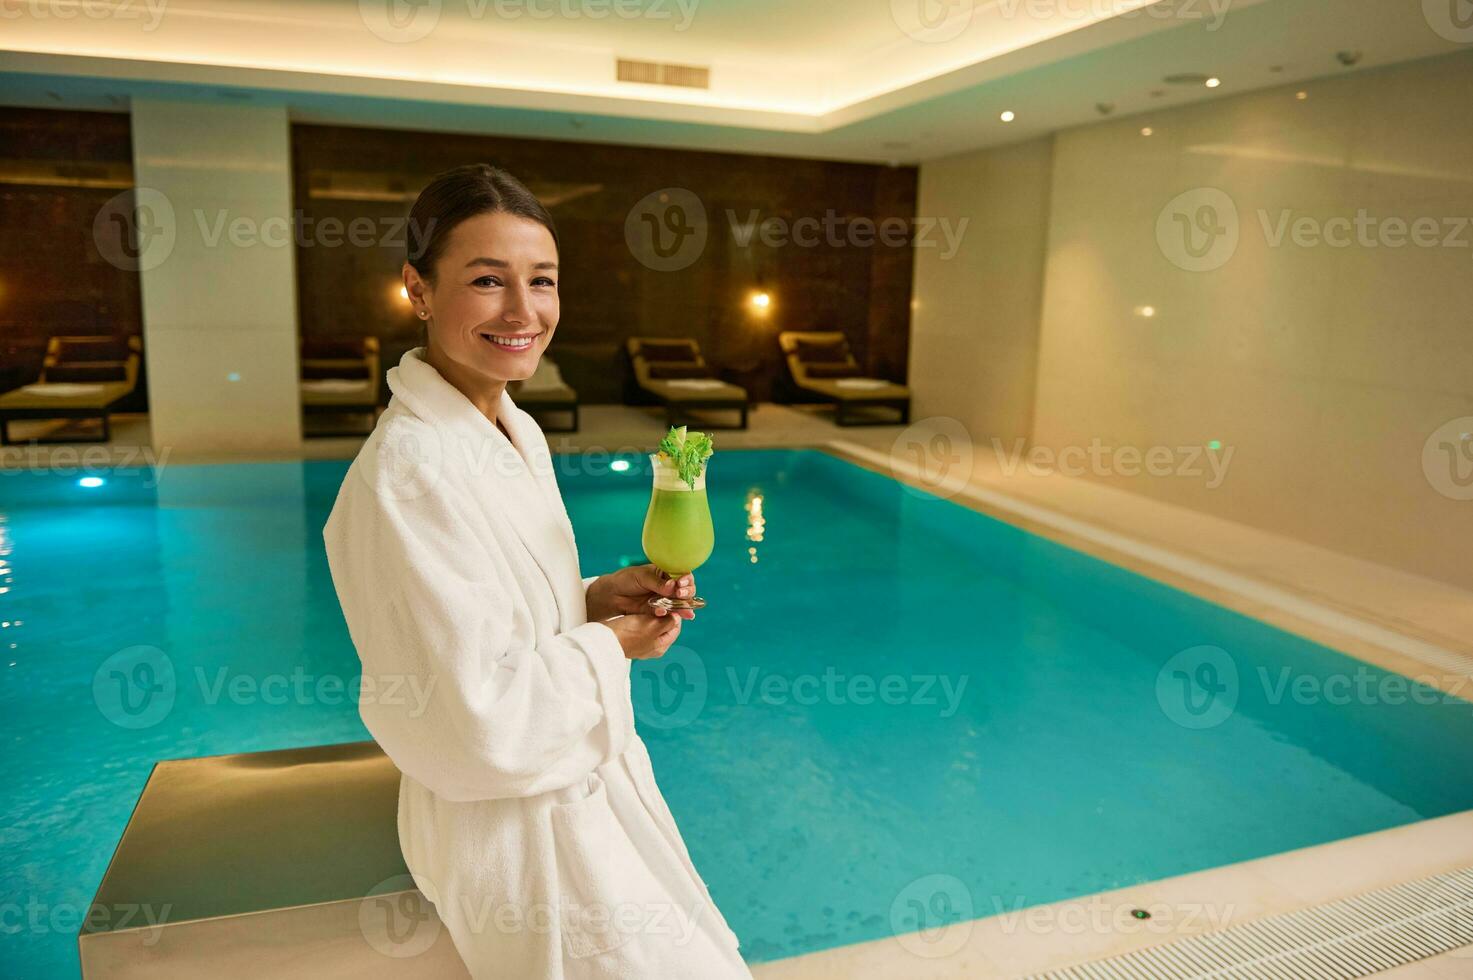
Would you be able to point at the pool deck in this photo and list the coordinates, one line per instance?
(1414, 626)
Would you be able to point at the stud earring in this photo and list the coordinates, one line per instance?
(422, 314)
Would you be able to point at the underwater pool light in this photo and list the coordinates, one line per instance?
(91, 481)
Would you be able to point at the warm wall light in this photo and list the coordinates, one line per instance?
(1007, 116)
(1146, 130)
(1213, 82)
(1145, 311)
(1301, 96)
(760, 300)
(403, 293)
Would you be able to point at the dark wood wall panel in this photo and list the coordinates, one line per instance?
(57, 171)
(607, 293)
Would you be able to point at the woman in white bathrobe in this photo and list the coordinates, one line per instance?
(528, 811)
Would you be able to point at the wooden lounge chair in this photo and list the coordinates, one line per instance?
(81, 378)
(673, 370)
(340, 376)
(820, 362)
(544, 392)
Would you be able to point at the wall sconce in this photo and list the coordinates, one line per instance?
(760, 301)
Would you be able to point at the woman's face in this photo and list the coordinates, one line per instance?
(494, 304)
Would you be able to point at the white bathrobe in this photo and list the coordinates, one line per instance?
(528, 811)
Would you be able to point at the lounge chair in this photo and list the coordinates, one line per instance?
(820, 362)
(545, 391)
(340, 376)
(81, 378)
(673, 370)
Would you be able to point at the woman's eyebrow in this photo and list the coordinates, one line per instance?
(503, 264)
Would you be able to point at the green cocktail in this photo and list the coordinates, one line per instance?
(678, 537)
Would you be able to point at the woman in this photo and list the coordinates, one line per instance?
(528, 812)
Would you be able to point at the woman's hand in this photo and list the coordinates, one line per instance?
(628, 591)
(643, 636)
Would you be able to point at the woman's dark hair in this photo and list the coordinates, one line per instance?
(461, 193)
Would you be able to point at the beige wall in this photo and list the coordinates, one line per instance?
(218, 277)
(975, 315)
(1323, 370)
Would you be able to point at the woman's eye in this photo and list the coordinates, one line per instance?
(487, 281)
(543, 281)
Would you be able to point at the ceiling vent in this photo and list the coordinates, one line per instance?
(654, 73)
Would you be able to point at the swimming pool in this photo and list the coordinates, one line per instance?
(894, 712)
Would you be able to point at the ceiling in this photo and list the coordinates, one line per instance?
(874, 80)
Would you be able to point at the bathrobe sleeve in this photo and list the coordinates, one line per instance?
(449, 696)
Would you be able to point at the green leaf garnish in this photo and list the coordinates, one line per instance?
(688, 451)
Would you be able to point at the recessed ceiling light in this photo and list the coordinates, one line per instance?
(1213, 82)
(1301, 96)
(1146, 130)
(1007, 116)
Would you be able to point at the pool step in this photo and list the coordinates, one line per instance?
(1353, 937)
(269, 864)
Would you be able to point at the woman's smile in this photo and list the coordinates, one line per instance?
(513, 342)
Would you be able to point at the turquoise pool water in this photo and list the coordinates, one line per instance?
(902, 713)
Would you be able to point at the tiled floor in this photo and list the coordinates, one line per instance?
(1409, 624)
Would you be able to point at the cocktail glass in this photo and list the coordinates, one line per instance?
(678, 536)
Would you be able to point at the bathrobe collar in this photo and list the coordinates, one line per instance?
(514, 479)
